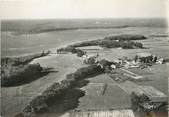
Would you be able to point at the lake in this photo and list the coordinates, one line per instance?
(26, 43)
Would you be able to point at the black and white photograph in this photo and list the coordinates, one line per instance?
(84, 58)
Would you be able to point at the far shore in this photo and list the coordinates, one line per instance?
(38, 30)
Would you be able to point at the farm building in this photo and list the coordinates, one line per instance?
(90, 59)
(113, 66)
(130, 74)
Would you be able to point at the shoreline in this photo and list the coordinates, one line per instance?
(38, 31)
(77, 42)
(50, 49)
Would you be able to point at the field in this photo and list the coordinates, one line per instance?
(15, 98)
(157, 77)
(102, 93)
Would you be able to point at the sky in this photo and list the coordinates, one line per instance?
(44, 9)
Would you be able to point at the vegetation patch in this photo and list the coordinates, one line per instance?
(17, 70)
(125, 37)
(57, 91)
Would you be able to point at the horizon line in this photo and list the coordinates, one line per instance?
(84, 18)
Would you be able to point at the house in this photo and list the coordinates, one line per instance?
(113, 66)
(90, 59)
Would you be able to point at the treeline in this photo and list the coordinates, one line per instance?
(21, 60)
(57, 90)
(17, 70)
(125, 37)
(159, 35)
(123, 41)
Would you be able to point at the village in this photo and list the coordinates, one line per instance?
(144, 98)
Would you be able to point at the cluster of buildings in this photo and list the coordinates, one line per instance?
(154, 98)
(141, 60)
